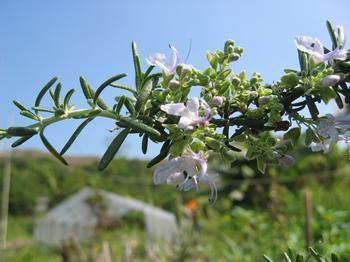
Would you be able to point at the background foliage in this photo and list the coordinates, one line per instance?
(256, 214)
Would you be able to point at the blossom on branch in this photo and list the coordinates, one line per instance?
(315, 48)
(186, 172)
(195, 111)
(167, 65)
(332, 129)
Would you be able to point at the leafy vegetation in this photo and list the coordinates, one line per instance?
(255, 214)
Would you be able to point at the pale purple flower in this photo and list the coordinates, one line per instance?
(195, 111)
(186, 172)
(330, 80)
(167, 65)
(331, 129)
(314, 47)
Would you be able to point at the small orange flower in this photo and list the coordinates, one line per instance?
(192, 205)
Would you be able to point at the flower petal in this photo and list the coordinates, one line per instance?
(176, 109)
(175, 178)
(174, 61)
(161, 173)
(185, 122)
(193, 105)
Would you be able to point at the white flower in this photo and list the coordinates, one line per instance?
(167, 65)
(190, 113)
(314, 47)
(186, 172)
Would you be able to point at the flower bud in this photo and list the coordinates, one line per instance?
(229, 50)
(184, 69)
(229, 42)
(174, 84)
(217, 101)
(233, 57)
(263, 100)
(253, 94)
(330, 80)
(238, 50)
(235, 81)
(286, 160)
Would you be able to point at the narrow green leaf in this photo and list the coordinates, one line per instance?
(157, 159)
(105, 84)
(139, 126)
(267, 258)
(143, 95)
(137, 65)
(120, 104)
(68, 97)
(56, 95)
(129, 105)
(112, 149)
(148, 71)
(124, 87)
(20, 141)
(99, 101)
(144, 143)
(75, 135)
(43, 109)
(29, 115)
(339, 101)
(332, 34)
(334, 258)
(22, 131)
(51, 149)
(315, 254)
(52, 94)
(299, 258)
(20, 106)
(90, 114)
(286, 257)
(304, 65)
(291, 254)
(85, 88)
(44, 90)
(312, 108)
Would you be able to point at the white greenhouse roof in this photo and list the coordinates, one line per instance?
(75, 217)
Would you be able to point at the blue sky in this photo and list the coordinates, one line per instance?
(40, 39)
